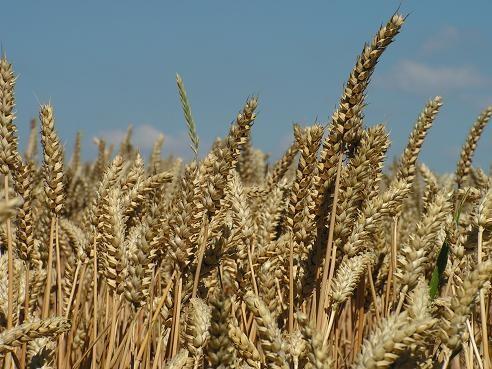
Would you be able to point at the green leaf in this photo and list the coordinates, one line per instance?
(442, 259)
(438, 271)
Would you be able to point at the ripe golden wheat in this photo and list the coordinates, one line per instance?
(322, 260)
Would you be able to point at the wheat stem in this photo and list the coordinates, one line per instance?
(330, 260)
(474, 344)
(143, 344)
(483, 313)
(112, 335)
(59, 295)
(201, 252)
(291, 284)
(373, 293)
(95, 315)
(10, 256)
(177, 317)
(49, 267)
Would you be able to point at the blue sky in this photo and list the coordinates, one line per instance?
(107, 64)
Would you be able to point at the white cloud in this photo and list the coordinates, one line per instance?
(179, 145)
(276, 151)
(444, 38)
(144, 136)
(112, 136)
(412, 76)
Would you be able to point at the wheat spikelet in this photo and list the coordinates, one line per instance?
(395, 335)
(269, 334)
(24, 186)
(190, 122)
(318, 355)
(155, 156)
(220, 352)
(18, 290)
(8, 131)
(267, 285)
(297, 347)
(244, 229)
(452, 327)
(38, 279)
(431, 185)
(99, 166)
(32, 143)
(26, 332)
(281, 166)
(421, 246)
(77, 149)
(358, 179)
(77, 238)
(135, 173)
(483, 216)
(112, 230)
(240, 130)
(269, 214)
(187, 213)
(479, 179)
(217, 165)
(246, 166)
(41, 353)
(139, 191)
(353, 95)
(303, 192)
(110, 178)
(126, 146)
(196, 334)
(179, 361)
(464, 163)
(244, 346)
(53, 160)
(348, 276)
(9, 208)
(373, 214)
(406, 166)
(139, 265)
(345, 123)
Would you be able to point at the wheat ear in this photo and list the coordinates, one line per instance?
(464, 163)
(26, 332)
(268, 332)
(317, 355)
(190, 122)
(453, 325)
(244, 346)
(196, 333)
(406, 166)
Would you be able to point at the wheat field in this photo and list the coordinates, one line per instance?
(323, 259)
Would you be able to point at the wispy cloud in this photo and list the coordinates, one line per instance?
(443, 39)
(416, 77)
(144, 136)
(283, 142)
